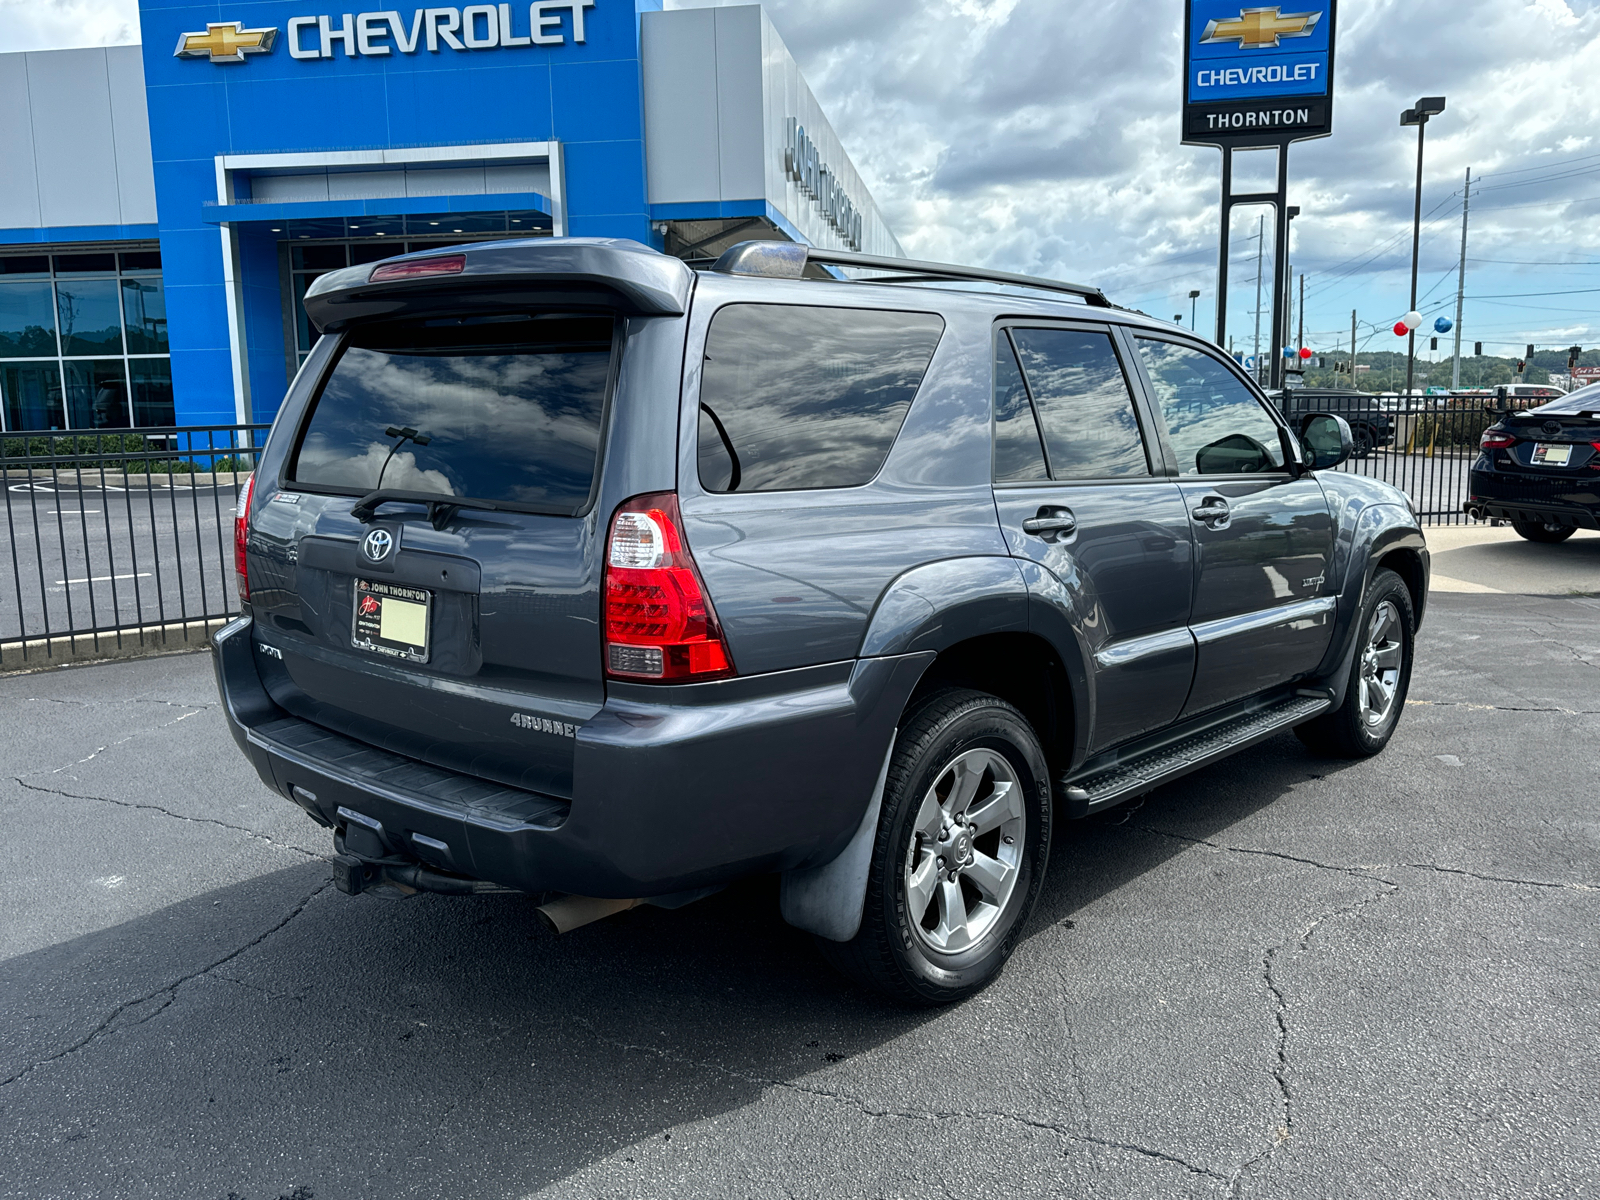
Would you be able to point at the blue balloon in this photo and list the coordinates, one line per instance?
(1443, 325)
(1290, 352)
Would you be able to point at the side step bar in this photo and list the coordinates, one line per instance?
(1136, 776)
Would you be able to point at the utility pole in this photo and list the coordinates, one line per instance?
(1428, 106)
(1352, 349)
(1461, 284)
(1300, 337)
(1261, 245)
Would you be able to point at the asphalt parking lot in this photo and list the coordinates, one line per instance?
(1282, 976)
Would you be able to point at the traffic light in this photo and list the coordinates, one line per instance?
(1573, 353)
(1433, 343)
(1518, 371)
(1529, 354)
(1477, 349)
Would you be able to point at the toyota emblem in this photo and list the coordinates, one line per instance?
(1552, 428)
(377, 544)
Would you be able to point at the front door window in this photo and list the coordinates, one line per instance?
(1214, 423)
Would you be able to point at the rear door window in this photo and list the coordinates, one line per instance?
(505, 407)
(1084, 403)
(798, 397)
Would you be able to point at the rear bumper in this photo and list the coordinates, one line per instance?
(672, 788)
(1485, 508)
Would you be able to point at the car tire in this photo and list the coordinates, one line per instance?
(1380, 676)
(1543, 531)
(927, 938)
(1362, 441)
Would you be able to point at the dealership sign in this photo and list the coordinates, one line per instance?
(379, 34)
(1257, 76)
(804, 165)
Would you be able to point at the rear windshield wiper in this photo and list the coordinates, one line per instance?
(440, 508)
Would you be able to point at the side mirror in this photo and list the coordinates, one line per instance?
(1327, 441)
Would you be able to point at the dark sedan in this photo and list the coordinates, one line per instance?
(1540, 469)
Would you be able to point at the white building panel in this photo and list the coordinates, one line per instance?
(74, 145)
(682, 156)
(130, 127)
(19, 189)
(720, 90)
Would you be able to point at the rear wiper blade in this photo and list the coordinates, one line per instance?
(440, 508)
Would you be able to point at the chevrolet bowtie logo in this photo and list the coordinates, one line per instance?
(1260, 28)
(225, 41)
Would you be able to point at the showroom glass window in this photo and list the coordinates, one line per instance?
(83, 341)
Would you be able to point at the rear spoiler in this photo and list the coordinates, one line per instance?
(609, 273)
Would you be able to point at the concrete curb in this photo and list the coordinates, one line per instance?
(45, 653)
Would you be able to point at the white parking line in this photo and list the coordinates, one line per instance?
(74, 512)
(106, 578)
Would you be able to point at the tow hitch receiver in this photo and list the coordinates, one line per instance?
(397, 881)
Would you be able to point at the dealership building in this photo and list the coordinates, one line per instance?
(165, 206)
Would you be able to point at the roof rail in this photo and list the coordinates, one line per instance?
(788, 260)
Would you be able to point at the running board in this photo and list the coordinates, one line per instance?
(1139, 775)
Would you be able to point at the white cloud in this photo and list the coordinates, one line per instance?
(63, 24)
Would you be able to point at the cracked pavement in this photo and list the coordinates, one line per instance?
(1281, 976)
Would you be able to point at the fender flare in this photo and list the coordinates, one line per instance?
(1380, 529)
(936, 605)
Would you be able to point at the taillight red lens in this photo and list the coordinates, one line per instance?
(416, 268)
(659, 621)
(1496, 439)
(241, 535)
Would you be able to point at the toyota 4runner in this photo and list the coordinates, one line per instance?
(571, 570)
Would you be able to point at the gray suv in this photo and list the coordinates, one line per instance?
(573, 571)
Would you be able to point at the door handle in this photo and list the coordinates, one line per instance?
(1050, 523)
(1212, 511)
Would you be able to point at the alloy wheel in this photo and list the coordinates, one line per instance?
(1381, 660)
(965, 854)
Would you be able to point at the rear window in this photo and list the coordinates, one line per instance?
(797, 397)
(1585, 399)
(505, 407)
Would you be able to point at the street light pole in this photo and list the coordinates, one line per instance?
(1194, 296)
(1428, 106)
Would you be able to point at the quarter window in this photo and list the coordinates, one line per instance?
(800, 397)
(1215, 424)
(1018, 452)
(1084, 403)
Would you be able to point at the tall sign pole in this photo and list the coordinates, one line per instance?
(1257, 78)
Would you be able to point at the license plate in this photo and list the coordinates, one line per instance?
(1547, 455)
(391, 620)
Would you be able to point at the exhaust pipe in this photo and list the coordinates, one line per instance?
(572, 912)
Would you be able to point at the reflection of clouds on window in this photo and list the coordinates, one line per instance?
(511, 412)
(1090, 428)
(808, 397)
(342, 468)
(1204, 403)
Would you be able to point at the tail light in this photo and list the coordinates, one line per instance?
(241, 534)
(659, 621)
(1496, 439)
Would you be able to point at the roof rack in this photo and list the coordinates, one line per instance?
(788, 260)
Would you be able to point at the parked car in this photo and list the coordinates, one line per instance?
(1540, 469)
(571, 570)
(1371, 425)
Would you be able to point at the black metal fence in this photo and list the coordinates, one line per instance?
(119, 537)
(1423, 445)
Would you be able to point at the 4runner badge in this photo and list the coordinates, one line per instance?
(544, 725)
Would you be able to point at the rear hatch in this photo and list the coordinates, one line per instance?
(425, 569)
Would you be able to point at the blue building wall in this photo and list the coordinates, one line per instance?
(586, 96)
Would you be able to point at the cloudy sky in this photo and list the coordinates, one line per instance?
(1042, 136)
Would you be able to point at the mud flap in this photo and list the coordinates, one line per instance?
(828, 900)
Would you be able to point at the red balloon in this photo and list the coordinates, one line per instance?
(1400, 329)
(1305, 352)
